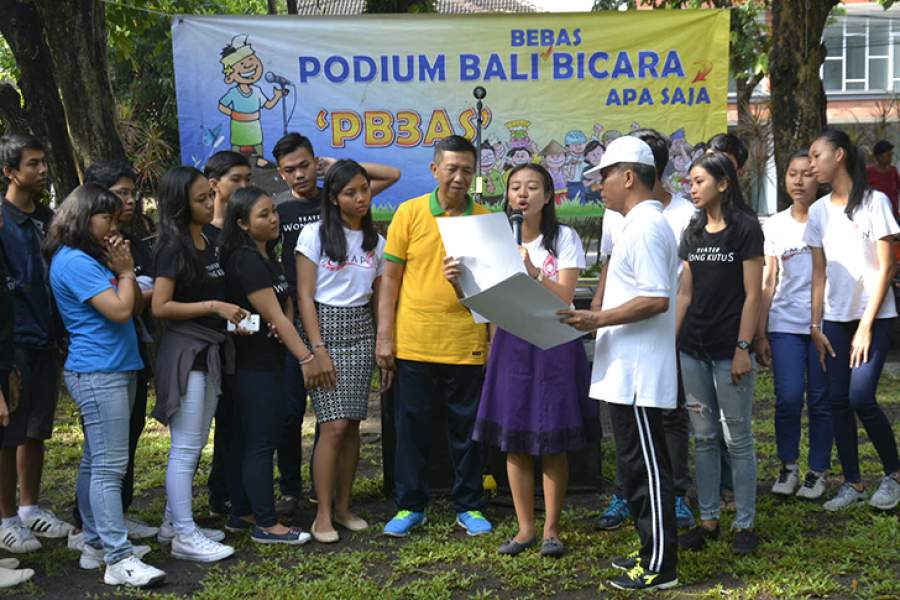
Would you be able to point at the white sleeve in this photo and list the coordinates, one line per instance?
(379, 256)
(812, 236)
(569, 250)
(769, 235)
(881, 216)
(309, 244)
(653, 253)
(612, 223)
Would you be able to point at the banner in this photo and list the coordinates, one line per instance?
(384, 89)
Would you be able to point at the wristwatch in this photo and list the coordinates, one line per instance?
(743, 344)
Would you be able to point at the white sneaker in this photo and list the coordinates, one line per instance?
(75, 541)
(9, 563)
(813, 486)
(13, 577)
(43, 523)
(846, 496)
(18, 539)
(138, 530)
(888, 494)
(197, 547)
(167, 533)
(133, 573)
(92, 558)
(788, 481)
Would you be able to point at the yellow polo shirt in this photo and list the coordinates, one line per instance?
(432, 325)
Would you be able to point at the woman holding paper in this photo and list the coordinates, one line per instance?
(535, 402)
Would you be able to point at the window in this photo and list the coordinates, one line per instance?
(862, 54)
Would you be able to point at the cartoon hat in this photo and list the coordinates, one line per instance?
(553, 147)
(518, 128)
(235, 52)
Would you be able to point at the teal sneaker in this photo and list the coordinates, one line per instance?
(403, 522)
(683, 516)
(615, 515)
(474, 522)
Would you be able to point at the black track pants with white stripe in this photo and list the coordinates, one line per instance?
(643, 461)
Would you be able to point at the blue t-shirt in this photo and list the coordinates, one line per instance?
(96, 344)
(237, 101)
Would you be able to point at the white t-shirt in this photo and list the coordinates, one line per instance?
(634, 363)
(678, 214)
(790, 310)
(852, 261)
(569, 253)
(347, 284)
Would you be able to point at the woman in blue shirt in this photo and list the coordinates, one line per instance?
(93, 281)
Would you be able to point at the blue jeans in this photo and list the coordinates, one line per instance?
(104, 401)
(718, 408)
(852, 394)
(259, 417)
(795, 365)
(189, 431)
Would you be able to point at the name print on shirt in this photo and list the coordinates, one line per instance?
(794, 252)
(711, 254)
(214, 270)
(364, 261)
(301, 221)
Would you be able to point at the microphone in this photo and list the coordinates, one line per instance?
(479, 93)
(516, 219)
(273, 78)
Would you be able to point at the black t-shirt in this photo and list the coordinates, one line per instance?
(712, 323)
(294, 215)
(143, 267)
(212, 233)
(7, 357)
(248, 271)
(211, 287)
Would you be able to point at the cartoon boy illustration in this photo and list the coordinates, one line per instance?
(555, 161)
(243, 102)
(575, 142)
(493, 177)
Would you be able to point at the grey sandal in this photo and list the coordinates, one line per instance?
(512, 547)
(552, 547)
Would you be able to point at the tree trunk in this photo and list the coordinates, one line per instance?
(292, 7)
(43, 115)
(797, 102)
(75, 31)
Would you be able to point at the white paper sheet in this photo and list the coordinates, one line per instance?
(525, 308)
(485, 248)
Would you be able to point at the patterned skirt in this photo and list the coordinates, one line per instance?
(349, 336)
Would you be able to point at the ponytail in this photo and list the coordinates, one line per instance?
(855, 164)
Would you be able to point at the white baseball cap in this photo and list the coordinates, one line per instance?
(625, 149)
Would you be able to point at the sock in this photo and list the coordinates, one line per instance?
(27, 511)
(791, 467)
(11, 521)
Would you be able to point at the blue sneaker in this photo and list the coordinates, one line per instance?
(474, 522)
(615, 514)
(403, 522)
(683, 516)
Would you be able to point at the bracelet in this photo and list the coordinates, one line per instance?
(816, 327)
(319, 345)
(126, 276)
(307, 359)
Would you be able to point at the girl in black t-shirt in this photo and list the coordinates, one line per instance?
(189, 293)
(718, 308)
(256, 282)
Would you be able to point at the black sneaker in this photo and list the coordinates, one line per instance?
(626, 563)
(696, 538)
(219, 508)
(745, 542)
(637, 579)
(286, 505)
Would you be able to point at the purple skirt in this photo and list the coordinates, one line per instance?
(536, 401)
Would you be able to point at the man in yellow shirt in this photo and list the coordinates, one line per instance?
(430, 345)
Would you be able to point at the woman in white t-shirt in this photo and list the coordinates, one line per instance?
(339, 267)
(535, 402)
(783, 339)
(851, 232)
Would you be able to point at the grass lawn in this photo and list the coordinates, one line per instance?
(805, 551)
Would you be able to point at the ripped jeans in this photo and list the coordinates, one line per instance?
(712, 399)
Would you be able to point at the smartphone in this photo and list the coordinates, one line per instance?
(250, 323)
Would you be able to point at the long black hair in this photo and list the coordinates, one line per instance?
(233, 237)
(174, 197)
(549, 222)
(331, 232)
(855, 164)
(720, 168)
(71, 225)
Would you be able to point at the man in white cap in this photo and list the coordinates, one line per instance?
(634, 358)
